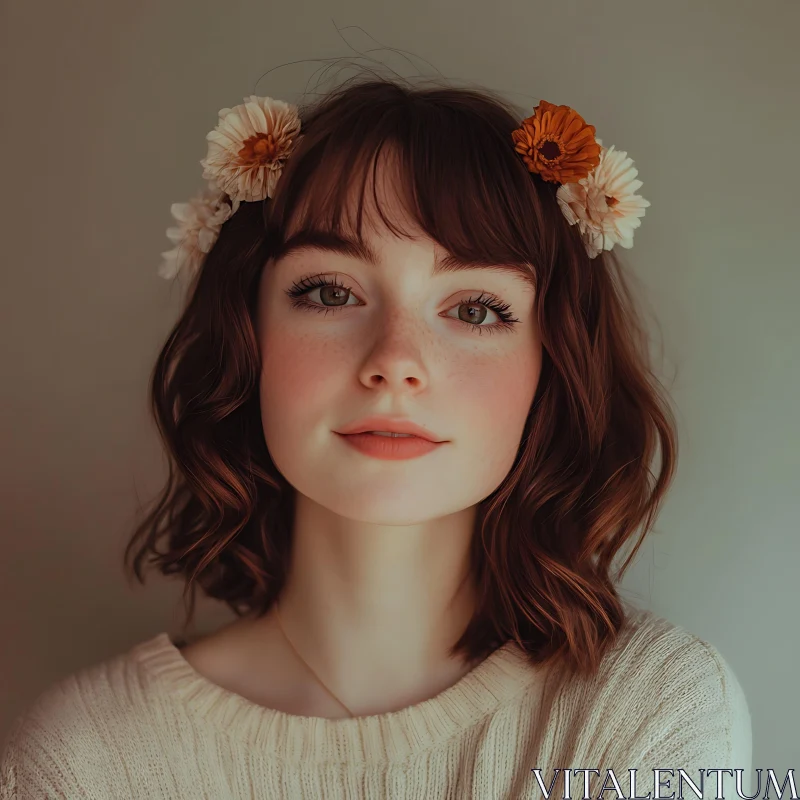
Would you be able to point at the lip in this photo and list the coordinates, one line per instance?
(389, 448)
(390, 425)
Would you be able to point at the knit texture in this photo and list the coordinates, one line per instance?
(145, 724)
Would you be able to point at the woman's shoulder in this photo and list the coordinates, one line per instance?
(75, 721)
(106, 683)
(658, 664)
(651, 649)
(662, 695)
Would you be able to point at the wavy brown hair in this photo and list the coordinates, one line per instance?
(545, 540)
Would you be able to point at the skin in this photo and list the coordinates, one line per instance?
(378, 588)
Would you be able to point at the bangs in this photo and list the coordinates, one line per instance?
(451, 166)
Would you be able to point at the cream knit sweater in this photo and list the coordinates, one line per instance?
(144, 724)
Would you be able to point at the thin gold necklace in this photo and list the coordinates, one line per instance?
(319, 680)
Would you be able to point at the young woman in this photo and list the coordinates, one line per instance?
(411, 423)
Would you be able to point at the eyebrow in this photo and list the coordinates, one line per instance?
(330, 242)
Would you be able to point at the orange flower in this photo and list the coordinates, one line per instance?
(557, 143)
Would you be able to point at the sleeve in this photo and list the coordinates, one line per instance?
(698, 721)
(29, 768)
(52, 751)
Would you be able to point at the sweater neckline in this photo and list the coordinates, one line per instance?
(390, 736)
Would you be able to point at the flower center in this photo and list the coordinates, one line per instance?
(260, 149)
(550, 150)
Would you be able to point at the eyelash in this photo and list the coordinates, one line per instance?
(305, 285)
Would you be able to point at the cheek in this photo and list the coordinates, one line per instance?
(297, 374)
(498, 391)
(490, 402)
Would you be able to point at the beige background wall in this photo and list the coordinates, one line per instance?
(105, 110)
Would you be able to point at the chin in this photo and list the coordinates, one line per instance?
(383, 499)
(388, 503)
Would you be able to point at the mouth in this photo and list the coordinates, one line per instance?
(398, 427)
(390, 446)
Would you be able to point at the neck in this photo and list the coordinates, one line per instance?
(375, 609)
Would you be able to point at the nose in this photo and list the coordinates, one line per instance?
(395, 359)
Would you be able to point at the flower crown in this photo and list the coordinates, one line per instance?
(251, 142)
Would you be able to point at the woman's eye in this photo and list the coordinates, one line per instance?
(473, 313)
(332, 296)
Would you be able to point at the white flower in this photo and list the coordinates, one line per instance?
(199, 224)
(604, 204)
(248, 147)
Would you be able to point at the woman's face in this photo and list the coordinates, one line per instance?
(395, 340)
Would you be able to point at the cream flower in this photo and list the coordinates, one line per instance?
(199, 224)
(248, 148)
(604, 204)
